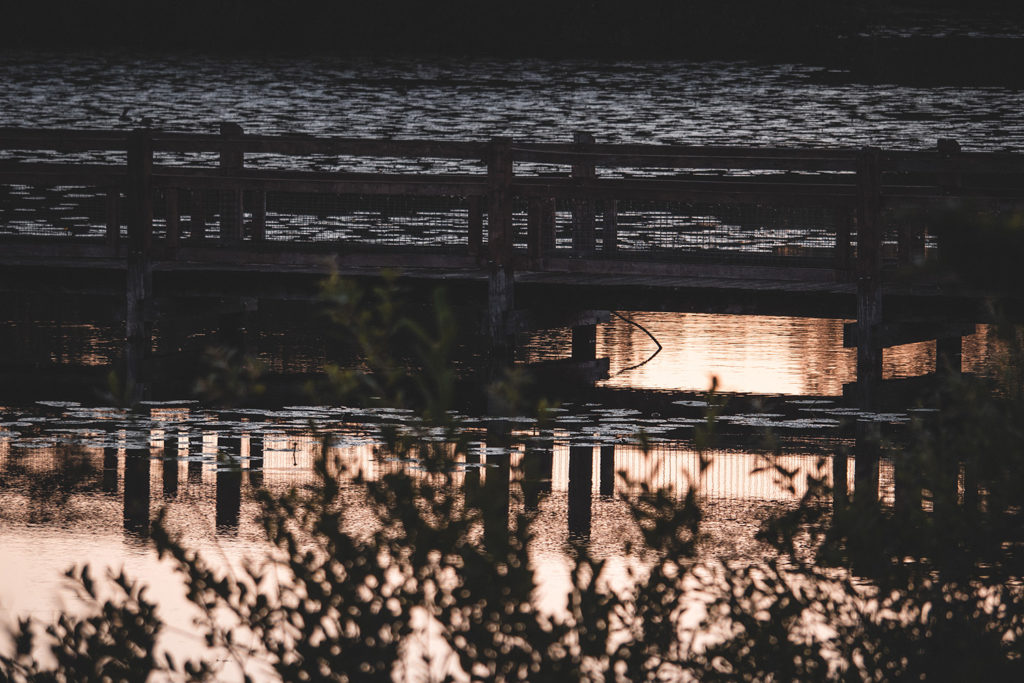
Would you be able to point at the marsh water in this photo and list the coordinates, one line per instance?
(79, 481)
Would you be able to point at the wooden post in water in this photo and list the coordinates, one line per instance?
(583, 241)
(501, 284)
(231, 211)
(170, 464)
(139, 275)
(110, 468)
(581, 480)
(607, 465)
(136, 491)
(255, 460)
(537, 465)
(840, 469)
(195, 456)
(229, 482)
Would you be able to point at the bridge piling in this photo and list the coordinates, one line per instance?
(138, 284)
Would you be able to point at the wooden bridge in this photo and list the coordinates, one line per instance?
(550, 230)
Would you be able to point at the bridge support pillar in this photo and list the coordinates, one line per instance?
(500, 304)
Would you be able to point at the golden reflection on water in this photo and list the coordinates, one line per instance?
(746, 353)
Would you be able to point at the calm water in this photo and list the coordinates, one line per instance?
(666, 102)
(77, 483)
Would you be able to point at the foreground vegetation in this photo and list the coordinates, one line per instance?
(929, 588)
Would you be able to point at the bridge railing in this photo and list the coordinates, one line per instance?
(573, 206)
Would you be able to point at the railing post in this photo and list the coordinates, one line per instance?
(197, 200)
(841, 219)
(113, 236)
(869, 266)
(231, 210)
(258, 230)
(583, 208)
(173, 213)
(540, 228)
(476, 225)
(610, 238)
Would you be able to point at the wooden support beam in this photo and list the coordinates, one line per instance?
(500, 303)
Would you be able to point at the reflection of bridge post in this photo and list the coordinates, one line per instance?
(607, 467)
(840, 469)
(581, 465)
(865, 471)
(229, 482)
(136, 490)
(495, 499)
(170, 464)
(195, 456)
(256, 460)
(538, 463)
(110, 469)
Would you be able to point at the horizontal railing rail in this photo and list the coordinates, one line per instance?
(508, 211)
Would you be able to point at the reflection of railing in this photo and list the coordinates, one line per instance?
(581, 206)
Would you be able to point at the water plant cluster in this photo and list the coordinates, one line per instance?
(444, 585)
